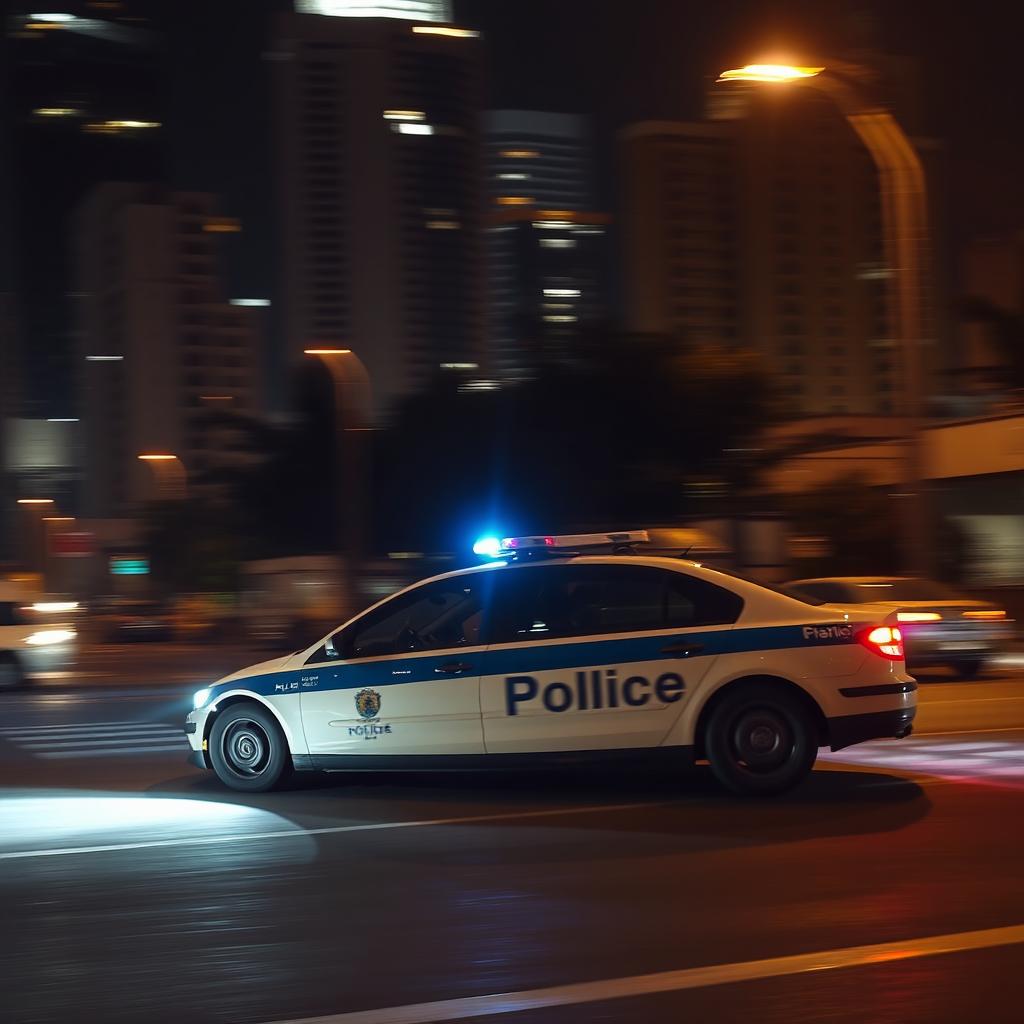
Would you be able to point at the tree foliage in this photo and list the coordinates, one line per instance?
(611, 440)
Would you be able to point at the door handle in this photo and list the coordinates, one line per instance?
(683, 650)
(453, 668)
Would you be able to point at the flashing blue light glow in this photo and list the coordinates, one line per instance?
(487, 547)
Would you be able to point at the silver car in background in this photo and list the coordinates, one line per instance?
(940, 626)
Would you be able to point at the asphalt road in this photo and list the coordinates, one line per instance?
(134, 888)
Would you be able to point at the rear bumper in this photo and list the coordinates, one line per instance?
(846, 730)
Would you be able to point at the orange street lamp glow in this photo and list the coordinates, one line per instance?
(58, 519)
(158, 458)
(35, 501)
(768, 73)
(328, 351)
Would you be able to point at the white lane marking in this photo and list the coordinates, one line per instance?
(675, 981)
(51, 755)
(968, 732)
(104, 735)
(959, 747)
(292, 833)
(973, 700)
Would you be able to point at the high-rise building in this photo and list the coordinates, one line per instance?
(164, 358)
(546, 248)
(764, 229)
(379, 125)
(80, 106)
(679, 221)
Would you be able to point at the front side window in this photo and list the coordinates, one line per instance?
(535, 603)
(446, 614)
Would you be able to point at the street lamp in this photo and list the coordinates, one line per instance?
(905, 226)
(36, 530)
(168, 473)
(352, 417)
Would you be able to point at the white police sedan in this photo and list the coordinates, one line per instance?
(569, 648)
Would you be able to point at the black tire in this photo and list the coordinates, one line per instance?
(11, 676)
(248, 750)
(969, 668)
(760, 740)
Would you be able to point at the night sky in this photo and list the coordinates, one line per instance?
(621, 61)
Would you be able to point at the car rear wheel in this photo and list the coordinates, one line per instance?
(247, 748)
(969, 668)
(11, 676)
(760, 740)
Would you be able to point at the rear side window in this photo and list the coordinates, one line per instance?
(541, 602)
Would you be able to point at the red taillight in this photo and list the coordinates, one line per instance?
(884, 640)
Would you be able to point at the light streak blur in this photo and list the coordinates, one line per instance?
(769, 73)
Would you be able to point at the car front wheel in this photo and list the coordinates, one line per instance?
(760, 740)
(247, 748)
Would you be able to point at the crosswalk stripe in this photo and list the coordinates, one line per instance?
(178, 748)
(111, 742)
(83, 726)
(46, 737)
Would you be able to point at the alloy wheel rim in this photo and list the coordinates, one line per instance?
(246, 748)
(762, 740)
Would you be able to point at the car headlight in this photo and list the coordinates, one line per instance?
(200, 698)
(44, 637)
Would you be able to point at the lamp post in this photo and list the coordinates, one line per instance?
(169, 475)
(36, 530)
(905, 226)
(352, 418)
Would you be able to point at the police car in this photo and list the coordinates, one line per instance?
(565, 649)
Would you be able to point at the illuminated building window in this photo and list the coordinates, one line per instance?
(515, 200)
(438, 30)
(222, 225)
(519, 154)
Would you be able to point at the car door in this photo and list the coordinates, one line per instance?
(402, 679)
(594, 656)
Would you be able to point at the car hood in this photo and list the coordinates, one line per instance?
(261, 669)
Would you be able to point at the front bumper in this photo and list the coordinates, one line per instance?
(195, 729)
(846, 730)
(197, 758)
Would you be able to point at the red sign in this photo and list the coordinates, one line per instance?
(72, 545)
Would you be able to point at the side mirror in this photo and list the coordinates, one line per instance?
(329, 649)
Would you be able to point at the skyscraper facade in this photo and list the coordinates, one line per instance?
(378, 120)
(546, 245)
(164, 360)
(764, 229)
(80, 106)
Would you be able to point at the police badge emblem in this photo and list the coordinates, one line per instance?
(368, 704)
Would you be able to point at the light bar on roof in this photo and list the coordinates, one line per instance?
(574, 541)
(407, 10)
